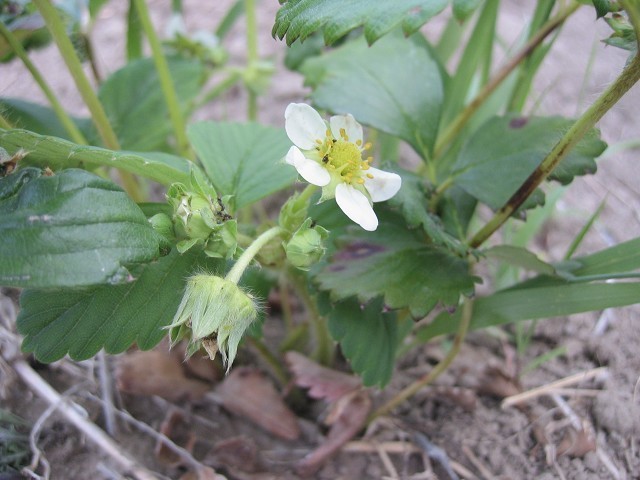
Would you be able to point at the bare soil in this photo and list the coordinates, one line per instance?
(462, 413)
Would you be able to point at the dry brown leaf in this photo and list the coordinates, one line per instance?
(236, 453)
(498, 383)
(347, 417)
(322, 382)
(578, 443)
(179, 432)
(249, 394)
(157, 373)
(204, 473)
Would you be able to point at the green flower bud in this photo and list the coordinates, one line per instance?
(223, 241)
(306, 245)
(294, 212)
(216, 312)
(162, 224)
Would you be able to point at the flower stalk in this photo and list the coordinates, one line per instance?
(243, 262)
(454, 128)
(166, 82)
(252, 54)
(62, 115)
(463, 328)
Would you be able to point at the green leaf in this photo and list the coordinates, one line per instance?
(502, 154)
(34, 117)
(520, 257)
(243, 160)
(367, 337)
(462, 9)
(113, 317)
(395, 263)
(335, 18)
(394, 86)
(57, 154)
(71, 229)
(412, 201)
(136, 107)
(557, 300)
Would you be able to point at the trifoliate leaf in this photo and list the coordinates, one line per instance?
(335, 18)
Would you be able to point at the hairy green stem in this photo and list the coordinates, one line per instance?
(285, 301)
(243, 262)
(467, 311)
(629, 77)
(166, 82)
(59, 34)
(224, 85)
(4, 123)
(65, 119)
(454, 128)
(252, 53)
(324, 348)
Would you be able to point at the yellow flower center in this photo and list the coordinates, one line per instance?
(345, 158)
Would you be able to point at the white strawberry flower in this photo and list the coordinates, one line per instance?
(330, 156)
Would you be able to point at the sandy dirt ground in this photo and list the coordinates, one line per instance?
(462, 414)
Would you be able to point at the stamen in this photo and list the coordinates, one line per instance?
(328, 133)
(367, 146)
(369, 159)
(369, 175)
(359, 142)
(318, 141)
(343, 134)
(361, 181)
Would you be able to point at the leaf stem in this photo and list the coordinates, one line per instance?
(276, 366)
(324, 348)
(59, 34)
(62, 115)
(467, 311)
(166, 82)
(629, 77)
(458, 123)
(243, 262)
(252, 54)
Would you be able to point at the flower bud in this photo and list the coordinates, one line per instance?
(162, 224)
(214, 314)
(306, 245)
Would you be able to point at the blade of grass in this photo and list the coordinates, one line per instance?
(583, 231)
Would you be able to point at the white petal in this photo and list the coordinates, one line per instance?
(352, 128)
(356, 206)
(311, 171)
(383, 185)
(304, 125)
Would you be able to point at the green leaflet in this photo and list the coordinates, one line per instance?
(367, 336)
(394, 86)
(136, 107)
(68, 230)
(80, 322)
(300, 18)
(396, 264)
(502, 153)
(243, 160)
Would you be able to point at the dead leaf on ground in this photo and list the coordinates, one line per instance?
(176, 429)
(237, 453)
(249, 394)
(157, 373)
(578, 443)
(322, 382)
(347, 417)
(204, 473)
